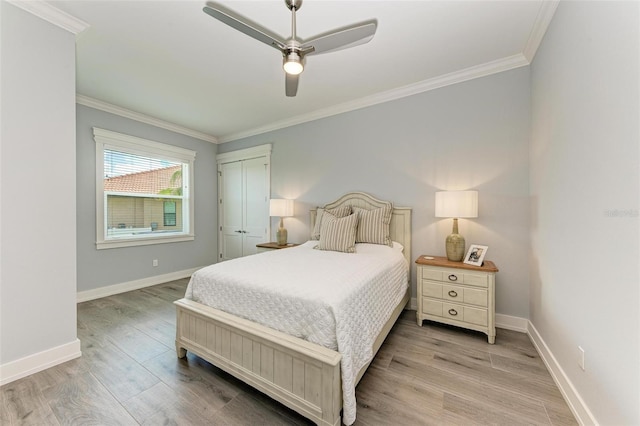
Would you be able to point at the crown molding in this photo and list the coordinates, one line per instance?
(545, 15)
(471, 73)
(52, 14)
(132, 115)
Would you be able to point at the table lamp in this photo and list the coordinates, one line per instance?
(281, 208)
(456, 204)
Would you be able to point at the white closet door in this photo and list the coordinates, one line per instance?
(255, 212)
(232, 210)
(244, 214)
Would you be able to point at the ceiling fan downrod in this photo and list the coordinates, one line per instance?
(292, 58)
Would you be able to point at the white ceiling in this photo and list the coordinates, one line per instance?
(170, 61)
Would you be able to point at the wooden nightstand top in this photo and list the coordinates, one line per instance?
(487, 265)
(275, 246)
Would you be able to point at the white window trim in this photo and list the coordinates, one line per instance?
(106, 139)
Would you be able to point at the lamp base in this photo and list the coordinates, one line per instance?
(455, 247)
(281, 236)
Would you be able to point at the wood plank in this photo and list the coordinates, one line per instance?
(247, 353)
(24, 403)
(223, 341)
(159, 329)
(266, 362)
(81, 400)
(194, 378)
(122, 375)
(283, 364)
(201, 332)
(257, 354)
(236, 348)
(312, 382)
(487, 265)
(163, 405)
(211, 336)
(247, 410)
(298, 378)
(136, 344)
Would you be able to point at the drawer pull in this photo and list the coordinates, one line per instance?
(453, 312)
(452, 293)
(452, 277)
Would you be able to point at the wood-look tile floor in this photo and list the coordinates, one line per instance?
(129, 374)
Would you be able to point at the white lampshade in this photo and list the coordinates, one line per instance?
(457, 204)
(280, 207)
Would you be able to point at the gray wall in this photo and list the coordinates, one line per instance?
(99, 268)
(37, 191)
(584, 169)
(472, 135)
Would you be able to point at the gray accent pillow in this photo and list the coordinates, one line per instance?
(339, 234)
(334, 213)
(373, 225)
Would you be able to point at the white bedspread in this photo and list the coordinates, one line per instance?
(338, 300)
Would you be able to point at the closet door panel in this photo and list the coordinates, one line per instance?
(255, 206)
(232, 210)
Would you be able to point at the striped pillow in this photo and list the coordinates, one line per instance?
(339, 234)
(373, 225)
(338, 212)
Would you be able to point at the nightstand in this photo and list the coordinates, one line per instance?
(273, 246)
(457, 294)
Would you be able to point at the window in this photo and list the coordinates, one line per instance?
(143, 191)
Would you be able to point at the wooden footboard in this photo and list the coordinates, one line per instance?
(303, 376)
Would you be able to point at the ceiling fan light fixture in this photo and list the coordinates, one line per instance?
(294, 50)
(292, 64)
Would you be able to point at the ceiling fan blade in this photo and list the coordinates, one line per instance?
(243, 25)
(291, 84)
(341, 38)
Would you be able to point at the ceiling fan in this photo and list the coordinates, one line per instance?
(293, 49)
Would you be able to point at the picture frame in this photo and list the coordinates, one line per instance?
(475, 255)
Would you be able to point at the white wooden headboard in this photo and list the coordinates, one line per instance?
(400, 228)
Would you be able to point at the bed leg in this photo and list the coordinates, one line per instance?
(181, 352)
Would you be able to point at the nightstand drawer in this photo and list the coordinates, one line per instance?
(465, 278)
(476, 279)
(431, 274)
(464, 314)
(432, 289)
(432, 307)
(471, 296)
(459, 294)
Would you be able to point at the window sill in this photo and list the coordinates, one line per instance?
(102, 245)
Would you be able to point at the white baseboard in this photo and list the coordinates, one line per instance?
(512, 323)
(571, 396)
(97, 293)
(413, 304)
(32, 364)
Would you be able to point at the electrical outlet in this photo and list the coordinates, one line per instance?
(581, 357)
(155, 262)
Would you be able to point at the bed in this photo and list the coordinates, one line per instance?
(305, 376)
